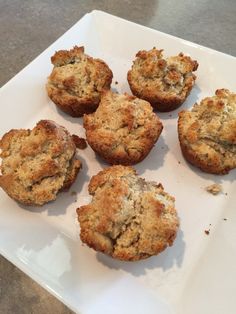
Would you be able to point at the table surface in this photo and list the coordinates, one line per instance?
(29, 27)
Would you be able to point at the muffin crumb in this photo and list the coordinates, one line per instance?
(214, 188)
(79, 141)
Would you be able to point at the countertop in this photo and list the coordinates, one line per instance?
(29, 27)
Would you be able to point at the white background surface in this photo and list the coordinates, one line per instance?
(196, 275)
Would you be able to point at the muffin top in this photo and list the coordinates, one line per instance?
(77, 80)
(165, 83)
(128, 218)
(207, 133)
(38, 163)
(123, 129)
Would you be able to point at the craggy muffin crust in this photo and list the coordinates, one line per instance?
(123, 129)
(37, 164)
(128, 218)
(207, 133)
(77, 80)
(165, 83)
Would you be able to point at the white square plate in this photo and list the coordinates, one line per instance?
(197, 274)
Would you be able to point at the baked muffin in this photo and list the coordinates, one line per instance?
(77, 80)
(207, 133)
(165, 83)
(123, 129)
(38, 163)
(128, 218)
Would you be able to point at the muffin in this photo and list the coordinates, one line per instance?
(77, 80)
(123, 129)
(38, 163)
(165, 83)
(128, 218)
(207, 133)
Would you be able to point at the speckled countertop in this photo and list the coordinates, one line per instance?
(28, 27)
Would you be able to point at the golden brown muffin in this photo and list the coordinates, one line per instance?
(77, 80)
(123, 129)
(128, 218)
(207, 133)
(37, 164)
(165, 83)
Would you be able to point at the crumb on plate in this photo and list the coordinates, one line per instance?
(79, 141)
(214, 188)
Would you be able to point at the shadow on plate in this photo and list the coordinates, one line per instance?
(67, 117)
(220, 179)
(217, 178)
(155, 159)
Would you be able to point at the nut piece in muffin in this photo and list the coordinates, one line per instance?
(207, 133)
(165, 83)
(128, 218)
(77, 80)
(38, 163)
(123, 129)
